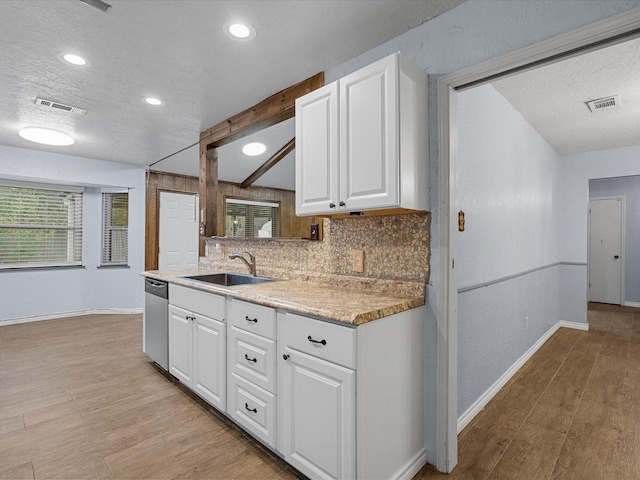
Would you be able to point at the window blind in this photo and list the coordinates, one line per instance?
(246, 218)
(115, 229)
(40, 227)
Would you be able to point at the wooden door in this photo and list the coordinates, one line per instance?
(178, 232)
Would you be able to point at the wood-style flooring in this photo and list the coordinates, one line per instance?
(78, 400)
(571, 413)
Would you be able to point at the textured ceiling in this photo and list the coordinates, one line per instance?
(552, 99)
(175, 50)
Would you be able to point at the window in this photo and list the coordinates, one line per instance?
(40, 226)
(248, 218)
(115, 229)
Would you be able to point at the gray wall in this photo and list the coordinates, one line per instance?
(507, 188)
(628, 187)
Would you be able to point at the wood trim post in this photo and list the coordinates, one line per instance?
(208, 186)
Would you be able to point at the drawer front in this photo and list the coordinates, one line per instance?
(253, 357)
(208, 304)
(254, 318)
(325, 340)
(253, 408)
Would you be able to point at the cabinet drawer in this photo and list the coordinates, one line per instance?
(253, 408)
(204, 303)
(254, 318)
(253, 357)
(328, 341)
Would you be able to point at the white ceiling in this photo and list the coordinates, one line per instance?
(552, 99)
(175, 50)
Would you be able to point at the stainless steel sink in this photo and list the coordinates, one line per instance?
(228, 279)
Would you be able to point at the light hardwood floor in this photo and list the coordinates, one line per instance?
(79, 400)
(572, 412)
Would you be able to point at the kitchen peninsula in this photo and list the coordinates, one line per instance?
(324, 376)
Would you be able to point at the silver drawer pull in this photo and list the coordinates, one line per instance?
(323, 341)
(254, 360)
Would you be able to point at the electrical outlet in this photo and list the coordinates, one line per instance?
(357, 260)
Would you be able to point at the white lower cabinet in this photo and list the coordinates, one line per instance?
(336, 401)
(253, 408)
(351, 401)
(251, 375)
(318, 420)
(197, 343)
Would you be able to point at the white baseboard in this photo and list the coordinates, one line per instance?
(482, 401)
(106, 311)
(413, 466)
(632, 304)
(574, 325)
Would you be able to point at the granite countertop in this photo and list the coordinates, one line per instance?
(353, 306)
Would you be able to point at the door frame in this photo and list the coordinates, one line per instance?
(614, 29)
(623, 231)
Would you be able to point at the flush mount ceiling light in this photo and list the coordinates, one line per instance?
(240, 30)
(152, 101)
(73, 59)
(253, 149)
(99, 4)
(46, 136)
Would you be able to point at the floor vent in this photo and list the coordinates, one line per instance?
(50, 104)
(607, 103)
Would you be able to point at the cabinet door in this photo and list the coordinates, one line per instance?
(317, 151)
(209, 361)
(319, 416)
(369, 168)
(181, 344)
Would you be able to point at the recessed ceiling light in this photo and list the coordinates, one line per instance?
(46, 136)
(240, 30)
(73, 59)
(152, 101)
(253, 149)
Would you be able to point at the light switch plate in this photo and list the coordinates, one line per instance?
(357, 260)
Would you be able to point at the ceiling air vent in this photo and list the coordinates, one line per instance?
(50, 104)
(607, 103)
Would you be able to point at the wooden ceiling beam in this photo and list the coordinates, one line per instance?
(266, 166)
(272, 110)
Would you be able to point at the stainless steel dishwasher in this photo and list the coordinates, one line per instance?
(156, 321)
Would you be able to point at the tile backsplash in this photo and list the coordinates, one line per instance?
(396, 247)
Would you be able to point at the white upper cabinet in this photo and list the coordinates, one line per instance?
(317, 170)
(361, 142)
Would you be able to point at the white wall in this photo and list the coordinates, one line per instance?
(59, 291)
(471, 33)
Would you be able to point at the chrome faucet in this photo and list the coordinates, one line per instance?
(251, 263)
